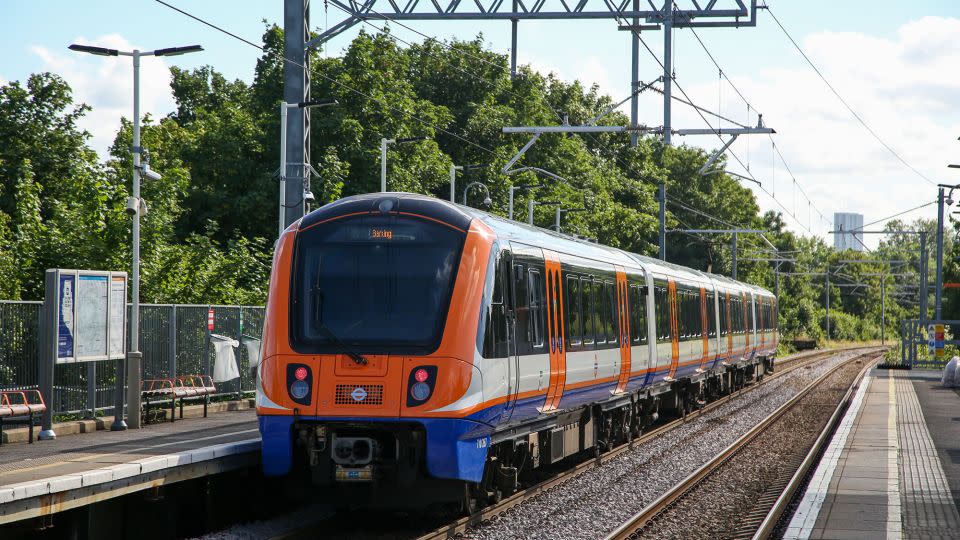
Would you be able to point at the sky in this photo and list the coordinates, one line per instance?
(894, 62)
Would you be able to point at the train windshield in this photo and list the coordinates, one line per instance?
(377, 284)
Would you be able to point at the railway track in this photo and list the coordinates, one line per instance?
(784, 366)
(760, 519)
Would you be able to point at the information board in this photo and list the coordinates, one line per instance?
(91, 315)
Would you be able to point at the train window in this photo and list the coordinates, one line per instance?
(587, 301)
(536, 290)
(521, 304)
(574, 319)
(598, 306)
(613, 323)
(661, 309)
(638, 313)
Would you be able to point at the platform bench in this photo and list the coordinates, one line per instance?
(172, 389)
(21, 407)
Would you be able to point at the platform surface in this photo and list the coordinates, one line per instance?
(892, 469)
(51, 476)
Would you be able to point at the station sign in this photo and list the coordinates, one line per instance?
(89, 315)
(936, 339)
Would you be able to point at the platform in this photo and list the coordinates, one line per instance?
(51, 476)
(892, 469)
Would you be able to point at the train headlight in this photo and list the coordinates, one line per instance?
(420, 391)
(421, 382)
(299, 383)
(299, 389)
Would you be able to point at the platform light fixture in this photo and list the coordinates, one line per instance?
(134, 356)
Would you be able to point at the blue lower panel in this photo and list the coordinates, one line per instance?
(456, 448)
(277, 444)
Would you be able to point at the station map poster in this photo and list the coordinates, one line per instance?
(65, 318)
(92, 316)
(118, 308)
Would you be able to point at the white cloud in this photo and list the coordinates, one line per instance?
(106, 84)
(904, 87)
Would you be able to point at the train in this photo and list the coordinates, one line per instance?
(416, 351)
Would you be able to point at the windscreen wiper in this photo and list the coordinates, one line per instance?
(357, 358)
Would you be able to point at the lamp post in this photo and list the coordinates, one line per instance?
(134, 355)
(384, 143)
(941, 198)
(284, 107)
(486, 201)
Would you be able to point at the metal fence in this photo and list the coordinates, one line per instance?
(914, 343)
(174, 340)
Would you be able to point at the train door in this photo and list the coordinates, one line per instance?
(704, 328)
(728, 325)
(555, 335)
(623, 314)
(674, 330)
(509, 274)
(504, 327)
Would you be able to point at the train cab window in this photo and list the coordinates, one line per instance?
(588, 299)
(379, 283)
(536, 291)
(574, 318)
(613, 323)
(598, 307)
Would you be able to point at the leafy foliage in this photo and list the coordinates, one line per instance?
(208, 235)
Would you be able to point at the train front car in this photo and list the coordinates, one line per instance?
(368, 368)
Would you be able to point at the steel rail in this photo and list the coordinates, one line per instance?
(661, 504)
(460, 526)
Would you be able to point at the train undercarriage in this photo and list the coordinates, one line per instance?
(384, 464)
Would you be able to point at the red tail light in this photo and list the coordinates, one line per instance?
(420, 385)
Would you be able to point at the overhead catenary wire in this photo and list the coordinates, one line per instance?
(749, 105)
(559, 115)
(331, 80)
(855, 114)
(705, 121)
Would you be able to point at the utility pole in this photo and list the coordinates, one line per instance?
(453, 178)
(733, 252)
(635, 80)
(828, 302)
(883, 309)
(939, 291)
(513, 43)
(663, 221)
(296, 89)
(667, 68)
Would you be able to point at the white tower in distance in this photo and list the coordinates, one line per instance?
(845, 221)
